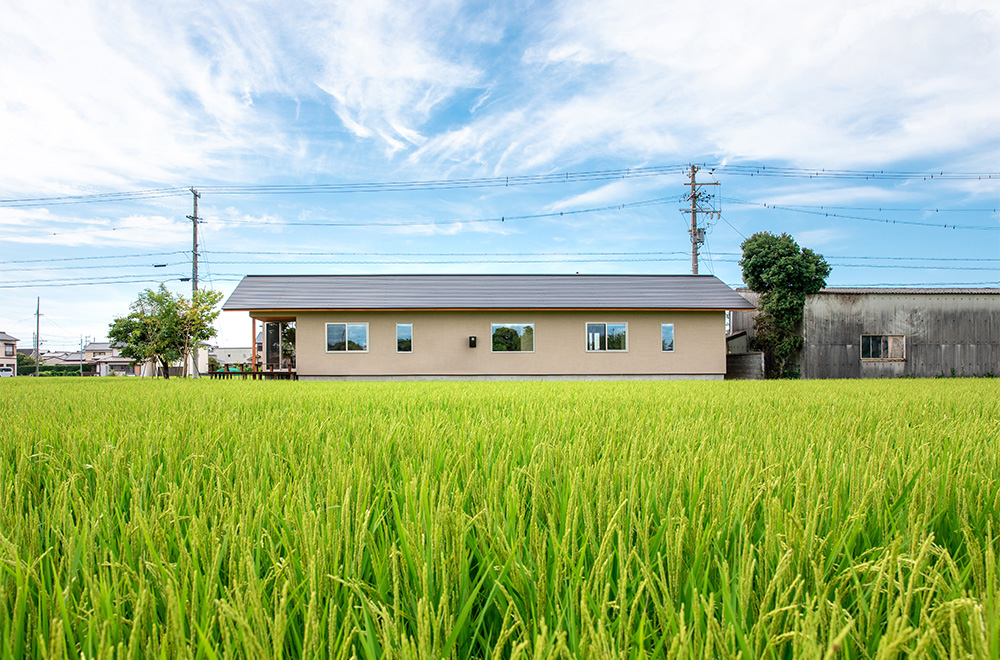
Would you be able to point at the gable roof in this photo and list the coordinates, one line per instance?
(98, 346)
(373, 292)
(5, 337)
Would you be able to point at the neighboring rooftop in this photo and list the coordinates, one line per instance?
(5, 337)
(321, 292)
(916, 291)
(98, 346)
(910, 290)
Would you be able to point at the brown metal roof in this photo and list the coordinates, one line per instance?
(319, 292)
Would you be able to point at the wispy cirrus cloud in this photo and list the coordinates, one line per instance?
(850, 83)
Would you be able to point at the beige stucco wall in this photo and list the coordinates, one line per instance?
(5, 360)
(441, 345)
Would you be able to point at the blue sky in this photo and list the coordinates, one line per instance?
(102, 98)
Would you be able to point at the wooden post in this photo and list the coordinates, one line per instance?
(253, 339)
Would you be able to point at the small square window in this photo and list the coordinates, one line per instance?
(404, 337)
(667, 337)
(883, 348)
(607, 337)
(513, 337)
(346, 337)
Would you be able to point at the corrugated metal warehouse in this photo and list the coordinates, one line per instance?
(895, 332)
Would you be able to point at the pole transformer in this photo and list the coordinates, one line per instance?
(194, 242)
(700, 203)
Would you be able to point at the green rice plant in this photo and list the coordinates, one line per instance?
(198, 519)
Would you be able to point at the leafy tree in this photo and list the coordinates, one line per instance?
(197, 317)
(164, 327)
(783, 274)
(506, 339)
(25, 364)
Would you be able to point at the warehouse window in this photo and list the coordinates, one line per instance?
(667, 337)
(883, 347)
(346, 337)
(607, 337)
(404, 337)
(513, 337)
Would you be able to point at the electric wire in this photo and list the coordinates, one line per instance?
(828, 214)
(745, 169)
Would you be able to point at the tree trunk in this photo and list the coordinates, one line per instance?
(166, 368)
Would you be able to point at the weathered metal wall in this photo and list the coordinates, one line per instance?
(744, 366)
(946, 333)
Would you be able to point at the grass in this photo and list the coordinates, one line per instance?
(499, 520)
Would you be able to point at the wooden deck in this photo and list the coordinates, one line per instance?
(267, 372)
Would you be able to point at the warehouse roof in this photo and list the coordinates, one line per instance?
(919, 291)
(321, 292)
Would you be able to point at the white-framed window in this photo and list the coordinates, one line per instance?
(667, 337)
(603, 337)
(883, 348)
(404, 337)
(512, 337)
(346, 337)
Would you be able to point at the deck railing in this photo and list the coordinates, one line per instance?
(265, 372)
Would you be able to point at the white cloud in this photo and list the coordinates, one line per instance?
(847, 83)
(384, 67)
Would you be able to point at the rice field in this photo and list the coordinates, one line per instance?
(197, 519)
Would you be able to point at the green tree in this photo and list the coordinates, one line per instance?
(164, 327)
(783, 274)
(506, 339)
(197, 317)
(25, 365)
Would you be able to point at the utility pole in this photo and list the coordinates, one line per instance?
(194, 242)
(38, 356)
(700, 203)
(194, 281)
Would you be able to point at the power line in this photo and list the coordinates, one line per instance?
(92, 198)
(119, 266)
(479, 257)
(828, 214)
(110, 256)
(416, 223)
(494, 182)
(369, 187)
(867, 175)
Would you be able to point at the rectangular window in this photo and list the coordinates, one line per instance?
(607, 337)
(404, 337)
(667, 337)
(513, 337)
(346, 337)
(8, 350)
(883, 347)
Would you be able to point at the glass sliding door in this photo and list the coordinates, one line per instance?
(279, 344)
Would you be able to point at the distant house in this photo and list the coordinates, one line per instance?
(8, 351)
(227, 356)
(96, 349)
(892, 332)
(492, 326)
(116, 365)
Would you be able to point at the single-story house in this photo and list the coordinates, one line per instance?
(491, 326)
(228, 355)
(116, 365)
(892, 332)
